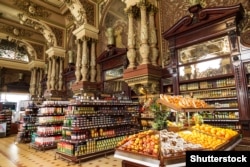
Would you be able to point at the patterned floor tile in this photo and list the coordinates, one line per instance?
(21, 155)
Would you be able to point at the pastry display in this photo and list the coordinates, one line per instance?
(172, 144)
(183, 102)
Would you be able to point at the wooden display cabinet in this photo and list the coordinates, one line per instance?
(112, 62)
(205, 56)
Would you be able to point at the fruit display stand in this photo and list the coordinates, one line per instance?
(181, 104)
(171, 159)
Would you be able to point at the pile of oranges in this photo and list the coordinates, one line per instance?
(206, 141)
(218, 132)
(209, 137)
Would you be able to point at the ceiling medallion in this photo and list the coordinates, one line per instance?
(31, 9)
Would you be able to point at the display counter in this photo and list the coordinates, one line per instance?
(138, 160)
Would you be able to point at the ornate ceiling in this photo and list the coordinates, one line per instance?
(51, 14)
(100, 13)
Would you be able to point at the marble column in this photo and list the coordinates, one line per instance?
(84, 68)
(144, 47)
(57, 72)
(93, 61)
(41, 72)
(33, 81)
(153, 36)
(131, 54)
(53, 73)
(49, 74)
(60, 83)
(78, 62)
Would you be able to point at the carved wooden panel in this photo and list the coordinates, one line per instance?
(171, 11)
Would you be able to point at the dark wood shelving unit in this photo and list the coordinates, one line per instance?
(191, 41)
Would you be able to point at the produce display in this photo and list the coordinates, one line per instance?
(218, 132)
(172, 144)
(146, 143)
(210, 137)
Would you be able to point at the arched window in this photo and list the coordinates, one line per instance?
(13, 50)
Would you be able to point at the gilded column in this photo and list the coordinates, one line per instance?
(53, 73)
(84, 68)
(152, 36)
(78, 61)
(60, 83)
(93, 61)
(144, 48)
(49, 74)
(131, 54)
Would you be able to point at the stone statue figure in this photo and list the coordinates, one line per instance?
(118, 37)
(110, 36)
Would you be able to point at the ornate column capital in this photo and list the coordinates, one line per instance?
(86, 30)
(36, 64)
(56, 51)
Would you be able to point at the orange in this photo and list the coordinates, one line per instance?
(213, 131)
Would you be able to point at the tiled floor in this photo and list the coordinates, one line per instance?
(20, 155)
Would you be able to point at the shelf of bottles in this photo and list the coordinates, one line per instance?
(5, 121)
(221, 94)
(27, 125)
(95, 127)
(49, 123)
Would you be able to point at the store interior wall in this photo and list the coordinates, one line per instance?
(7, 97)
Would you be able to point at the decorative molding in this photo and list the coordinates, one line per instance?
(59, 34)
(39, 50)
(39, 26)
(32, 9)
(90, 7)
(77, 10)
(12, 30)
